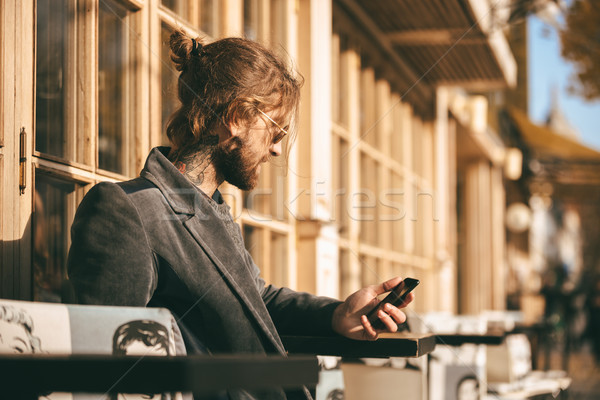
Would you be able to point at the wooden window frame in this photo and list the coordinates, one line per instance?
(395, 133)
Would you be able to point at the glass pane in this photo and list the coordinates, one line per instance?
(346, 276)
(253, 240)
(209, 17)
(397, 133)
(259, 198)
(179, 7)
(388, 213)
(417, 219)
(52, 221)
(367, 106)
(269, 200)
(279, 198)
(203, 14)
(341, 179)
(335, 78)
(279, 259)
(168, 78)
(417, 147)
(50, 77)
(251, 19)
(397, 212)
(366, 200)
(113, 90)
(346, 73)
(368, 268)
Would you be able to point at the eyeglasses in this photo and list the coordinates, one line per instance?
(282, 132)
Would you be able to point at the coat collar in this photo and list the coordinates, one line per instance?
(207, 226)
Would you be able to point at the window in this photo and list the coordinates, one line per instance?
(267, 223)
(85, 127)
(55, 202)
(269, 250)
(115, 88)
(51, 78)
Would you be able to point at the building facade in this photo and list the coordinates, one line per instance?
(395, 170)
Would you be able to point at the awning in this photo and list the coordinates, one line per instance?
(547, 144)
(443, 42)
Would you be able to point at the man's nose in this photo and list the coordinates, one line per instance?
(275, 149)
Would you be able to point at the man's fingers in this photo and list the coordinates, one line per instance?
(398, 316)
(386, 286)
(369, 332)
(389, 323)
(390, 316)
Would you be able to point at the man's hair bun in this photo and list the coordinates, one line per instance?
(184, 48)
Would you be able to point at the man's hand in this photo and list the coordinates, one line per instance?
(350, 320)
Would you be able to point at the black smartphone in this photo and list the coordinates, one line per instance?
(396, 297)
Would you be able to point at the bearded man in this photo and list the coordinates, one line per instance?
(167, 239)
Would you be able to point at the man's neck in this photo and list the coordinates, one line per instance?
(199, 168)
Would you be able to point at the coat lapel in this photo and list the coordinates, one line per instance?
(221, 250)
(208, 229)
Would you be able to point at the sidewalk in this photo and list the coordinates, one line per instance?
(583, 370)
(586, 375)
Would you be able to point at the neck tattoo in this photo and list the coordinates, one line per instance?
(192, 163)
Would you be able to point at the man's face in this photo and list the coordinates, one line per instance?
(14, 339)
(239, 159)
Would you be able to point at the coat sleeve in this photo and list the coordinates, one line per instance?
(296, 313)
(110, 261)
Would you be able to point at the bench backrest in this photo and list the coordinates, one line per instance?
(58, 329)
(48, 328)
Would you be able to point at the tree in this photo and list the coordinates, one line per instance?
(581, 45)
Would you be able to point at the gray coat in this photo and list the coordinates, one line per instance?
(158, 241)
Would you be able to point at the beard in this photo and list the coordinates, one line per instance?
(236, 165)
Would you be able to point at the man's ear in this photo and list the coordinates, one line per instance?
(227, 130)
(235, 128)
